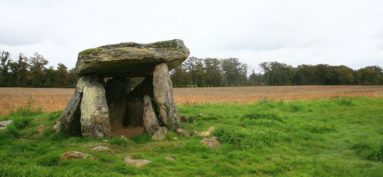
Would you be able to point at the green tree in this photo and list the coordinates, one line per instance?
(72, 78)
(370, 75)
(180, 77)
(61, 75)
(4, 68)
(343, 75)
(37, 70)
(276, 73)
(18, 75)
(213, 72)
(255, 78)
(230, 68)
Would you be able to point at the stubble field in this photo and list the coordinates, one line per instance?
(55, 99)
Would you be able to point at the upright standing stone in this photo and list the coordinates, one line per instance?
(150, 119)
(163, 96)
(94, 109)
(69, 120)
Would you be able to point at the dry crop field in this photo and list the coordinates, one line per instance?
(55, 99)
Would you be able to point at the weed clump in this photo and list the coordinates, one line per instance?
(368, 152)
(51, 159)
(261, 115)
(344, 102)
(377, 155)
(245, 140)
(10, 132)
(21, 122)
(120, 141)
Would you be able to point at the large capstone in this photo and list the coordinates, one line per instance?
(124, 89)
(131, 59)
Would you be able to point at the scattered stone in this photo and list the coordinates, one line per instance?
(74, 155)
(160, 134)
(5, 123)
(211, 142)
(207, 133)
(100, 148)
(169, 158)
(183, 132)
(184, 119)
(136, 162)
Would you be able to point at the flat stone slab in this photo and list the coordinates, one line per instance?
(136, 162)
(74, 155)
(5, 123)
(131, 59)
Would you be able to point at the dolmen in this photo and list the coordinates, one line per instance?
(124, 85)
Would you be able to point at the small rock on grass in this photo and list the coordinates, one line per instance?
(5, 123)
(136, 162)
(207, 133)
(211, 142)
(74, 155)
(160, 134)
(100, 148)
(183, 132)
(169, 158)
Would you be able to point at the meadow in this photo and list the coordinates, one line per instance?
(55, 99)
(322, 137)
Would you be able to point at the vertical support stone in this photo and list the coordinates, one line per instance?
(149, 116)
(163, 96)
(69, 120)
(94, 109)
(135, 102)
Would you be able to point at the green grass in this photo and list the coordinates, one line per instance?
(332, 137)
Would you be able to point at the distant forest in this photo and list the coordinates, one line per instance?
(195, 72)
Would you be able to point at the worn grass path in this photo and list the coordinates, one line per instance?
(329, 137)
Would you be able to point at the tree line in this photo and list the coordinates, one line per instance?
(213, 72)
(195, 72)
(33, 72)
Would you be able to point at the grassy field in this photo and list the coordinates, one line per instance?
(318, 138)
(55, 99)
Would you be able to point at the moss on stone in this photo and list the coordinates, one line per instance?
(89, 52)
(166, 44)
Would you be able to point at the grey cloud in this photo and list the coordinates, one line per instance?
(19, 38)
(294, 32)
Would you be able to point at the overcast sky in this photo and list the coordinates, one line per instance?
(348, 32)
